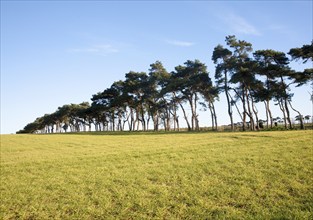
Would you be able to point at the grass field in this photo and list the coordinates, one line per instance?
(252, 175)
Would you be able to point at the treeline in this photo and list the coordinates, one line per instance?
(243, 77)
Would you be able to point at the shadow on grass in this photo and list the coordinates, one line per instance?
(162, 132)
(119, 133)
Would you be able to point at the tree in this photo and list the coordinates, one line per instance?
(32, 127)
(63, 117)
(108, 103)
(242, 75)
(281, 73)
(160, 100)
(134, 89)
(266, 68)
(188, 81)
(82, 115)
(300, 78)
(222, 58)
(305, 52)
(274, 66)
(307, 118)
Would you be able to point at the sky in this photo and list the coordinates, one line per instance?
(61, 52)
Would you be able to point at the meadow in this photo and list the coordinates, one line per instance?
(252, 175)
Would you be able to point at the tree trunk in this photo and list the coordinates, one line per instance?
(281, 106)
(255, 111)
(197, 123)
(288, 113)
(270, 113)
(286, 101)
(269, 116)
(195, 113)
(131, 116)
(156, 121)
(168, 119)
(174, 117)
(84, 124)
(239, 113)
(143, 122)
(215, 116)
(113, 121)
(185, 117)
(212, 116)
(177, 122)
(230, 111)
(268, 110)
(148, 121)
(136, 120)
(244, 109)
(249, 111)
(300, 116)
(190, 99)
(119, 124)
(132, 120)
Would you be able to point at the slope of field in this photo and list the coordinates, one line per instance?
(253, 175)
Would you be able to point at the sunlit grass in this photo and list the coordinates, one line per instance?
(253, 175)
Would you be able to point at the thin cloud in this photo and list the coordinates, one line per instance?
(99, 48)
(180, 43)
(239, 25)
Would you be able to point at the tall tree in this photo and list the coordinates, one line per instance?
(281, 72)
(155, 95)
(135, 85)
(105, 101)
(222, 58)
(188, 80)
(300, 78)
(267, 66)
(242, 75)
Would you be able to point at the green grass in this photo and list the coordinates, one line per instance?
(253, 175)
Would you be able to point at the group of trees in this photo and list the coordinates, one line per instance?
(263, 77)
(245, 78)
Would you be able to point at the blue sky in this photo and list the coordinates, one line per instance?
(60, 52)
